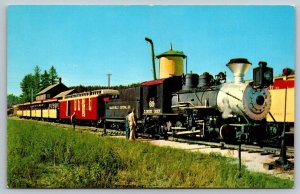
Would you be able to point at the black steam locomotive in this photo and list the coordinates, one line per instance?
(198, 105)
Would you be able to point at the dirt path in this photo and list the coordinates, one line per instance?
(253, 161)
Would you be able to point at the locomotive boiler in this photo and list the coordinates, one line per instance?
(216, 109)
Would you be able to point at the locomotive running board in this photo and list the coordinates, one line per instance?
(184, 132)
(160, 114)
(121, 120)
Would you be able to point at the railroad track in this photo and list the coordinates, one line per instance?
(244, 148)
(222, 145)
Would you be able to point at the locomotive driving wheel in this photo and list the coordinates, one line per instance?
(178, 124)
(165, 127)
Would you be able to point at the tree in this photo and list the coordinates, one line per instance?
(45, 80)
(37, 80)
(27, 86)
(34, 83)
(12, 100)
(53, 75)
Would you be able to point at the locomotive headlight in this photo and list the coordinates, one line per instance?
(262, 75)
(268, 75)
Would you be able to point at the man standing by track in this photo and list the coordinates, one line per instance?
(127, 128)
(73, 120)
(132, 124)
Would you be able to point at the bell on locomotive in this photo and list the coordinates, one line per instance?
(190, 81)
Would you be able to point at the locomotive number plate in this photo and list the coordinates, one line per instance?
(155, 111)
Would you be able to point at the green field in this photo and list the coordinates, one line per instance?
(41, 155)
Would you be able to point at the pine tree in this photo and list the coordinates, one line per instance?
(27, 86)
(53, 75)
(37, 80)
(45, 80)
(34, 83)
(12, 100)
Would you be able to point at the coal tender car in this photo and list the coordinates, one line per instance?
(120, 105)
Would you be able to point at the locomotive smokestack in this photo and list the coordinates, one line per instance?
(238, 67)
(153, 56)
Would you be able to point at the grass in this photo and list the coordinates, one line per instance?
(41, 155)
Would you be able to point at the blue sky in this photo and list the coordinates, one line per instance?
(85, 43)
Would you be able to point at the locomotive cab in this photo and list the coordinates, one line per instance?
(158, 93)
(157, 101)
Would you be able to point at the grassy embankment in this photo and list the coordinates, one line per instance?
(41, 155)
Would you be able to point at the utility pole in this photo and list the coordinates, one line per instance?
(108, 76)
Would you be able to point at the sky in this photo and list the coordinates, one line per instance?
(85, 43)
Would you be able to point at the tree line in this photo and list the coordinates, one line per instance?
(32, 84)
(35, 82)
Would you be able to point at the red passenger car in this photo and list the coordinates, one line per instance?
(89, 107)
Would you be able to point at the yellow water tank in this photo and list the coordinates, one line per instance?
(170, 63)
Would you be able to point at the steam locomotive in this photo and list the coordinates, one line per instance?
(175, 104)
(199, 105)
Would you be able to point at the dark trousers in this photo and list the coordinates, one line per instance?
(127, 132)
